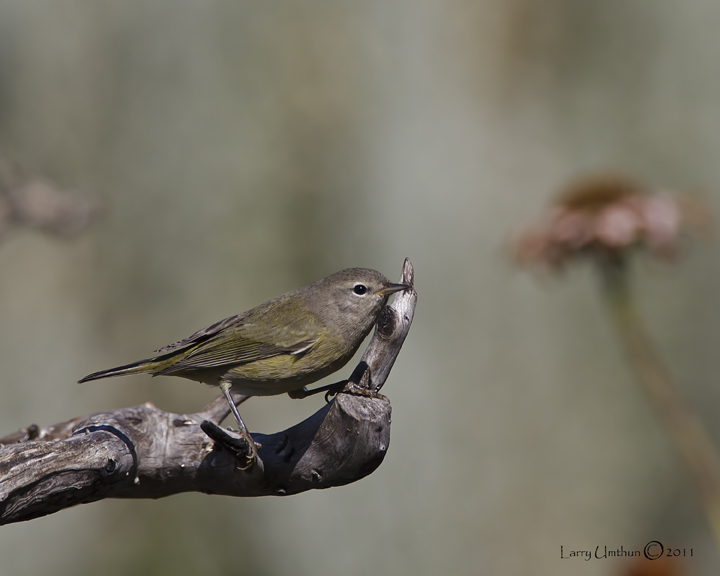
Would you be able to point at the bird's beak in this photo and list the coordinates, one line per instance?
(390, 288)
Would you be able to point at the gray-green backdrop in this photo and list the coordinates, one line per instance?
(244, 148)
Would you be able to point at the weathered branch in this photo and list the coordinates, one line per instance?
(143, 452)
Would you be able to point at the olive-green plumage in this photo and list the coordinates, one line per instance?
(281, 345)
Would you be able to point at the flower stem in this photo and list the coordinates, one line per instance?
(680, 422)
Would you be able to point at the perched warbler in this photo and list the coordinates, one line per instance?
(279, 346)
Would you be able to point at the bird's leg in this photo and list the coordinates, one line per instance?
(304, 392)
(252, 445)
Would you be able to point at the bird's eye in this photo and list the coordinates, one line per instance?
(360, 289)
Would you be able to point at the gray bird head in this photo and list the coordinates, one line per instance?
(351, 299)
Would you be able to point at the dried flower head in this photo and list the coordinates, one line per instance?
(604, 216)
(27, 200)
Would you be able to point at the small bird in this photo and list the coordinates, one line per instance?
(279, 346)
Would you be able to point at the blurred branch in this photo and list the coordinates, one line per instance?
(682, 425)
(143, 452)
(30, 201)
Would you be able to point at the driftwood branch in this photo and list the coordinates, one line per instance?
(143, 452)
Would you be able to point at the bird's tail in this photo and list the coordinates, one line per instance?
(141, 367)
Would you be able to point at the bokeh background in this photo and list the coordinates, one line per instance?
(241, 149)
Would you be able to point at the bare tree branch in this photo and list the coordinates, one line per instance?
(144, 452)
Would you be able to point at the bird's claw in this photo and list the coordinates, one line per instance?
(240, 446)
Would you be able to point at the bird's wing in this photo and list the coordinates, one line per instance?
(201, 335)
(244, 341)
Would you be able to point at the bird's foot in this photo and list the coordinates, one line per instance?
(359, 390)
(329, 389)
(239, 445)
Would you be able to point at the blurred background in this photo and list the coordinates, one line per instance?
(241, 149)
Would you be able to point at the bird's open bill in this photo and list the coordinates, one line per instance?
(391, 288)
